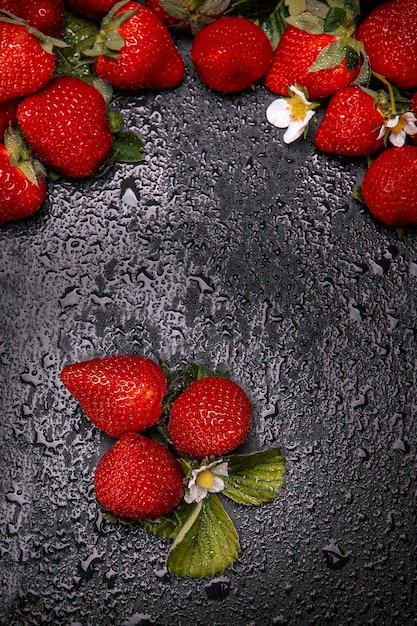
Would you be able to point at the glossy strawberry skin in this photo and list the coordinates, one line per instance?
(149, 58)
(118, 393)
(212, 417)
(231, 54)
(138, 478)
(8, 115)
(296, 52)
(66, 126)
(25, 66)
(44, 15)
(19, 197)
(389, 36)
(350, 124)
(93, 10)
(389, 186)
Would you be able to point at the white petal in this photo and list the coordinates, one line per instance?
(392, 123)
(299, 93)
(196, 494)
(218, 485)
(278, 113)
(410, 128)
(397, 139)
(382, 131)
(222, 469)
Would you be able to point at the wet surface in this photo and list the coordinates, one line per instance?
(230, 248)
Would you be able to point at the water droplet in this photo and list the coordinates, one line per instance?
(335, 557)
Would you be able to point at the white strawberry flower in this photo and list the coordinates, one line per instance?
(293, 113)
(206, 479)
(397, 128)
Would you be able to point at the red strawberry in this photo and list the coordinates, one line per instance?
(388, 34)
(212, 417)
(118, 393)
(351, 123)
(25, 65)
(91, 9)
(138, 478)
(47, 16)
(8, 115)
(158, 9)
(231, 54)
(389, 186)
(318, 54)
(22, 180)
(66, 126)
(146, 56)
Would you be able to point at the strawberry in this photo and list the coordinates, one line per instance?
(145, 56)
(351, 123)
(90, 9)
(388, 34)
(138, 478)
(389, 186)
(118, 393)
(188, 14)
(47, 16)
(22, 179)
(66, 126)
(27, 61)
(8, 115)
(210, 418)
(231, 54)
(317, 53)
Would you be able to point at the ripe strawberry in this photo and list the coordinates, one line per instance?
(389, 186)
(47, 16)
(318, 54)
(351, 123)
(118, 393)
(27, 63)
(90, 9)
(66, 126)
(146, 56)
(388, 34)
(231, 54)
(138, 478)
(8, 115)
(22, 180)
(210, 418)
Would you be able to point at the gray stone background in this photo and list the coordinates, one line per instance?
(229, 248)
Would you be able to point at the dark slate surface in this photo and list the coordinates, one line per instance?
(229, 248)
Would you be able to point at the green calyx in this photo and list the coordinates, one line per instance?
(194, 13)
(48, 43)
(21, 157)
(109, 41)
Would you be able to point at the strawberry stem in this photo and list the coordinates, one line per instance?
(388, 85)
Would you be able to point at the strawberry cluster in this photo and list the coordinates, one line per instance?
(172, 433)
(60, 61)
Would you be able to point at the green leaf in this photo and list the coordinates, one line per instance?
(334, 19)
(79, 35)
(352, 57)
(168, 526)
(296, 6)
(308, 22)
(255, 478)
(127, 147)
(329, 57)
(207, 544)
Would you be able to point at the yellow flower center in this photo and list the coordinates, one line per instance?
(298, 109)
(399, 126)
(205, 479)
